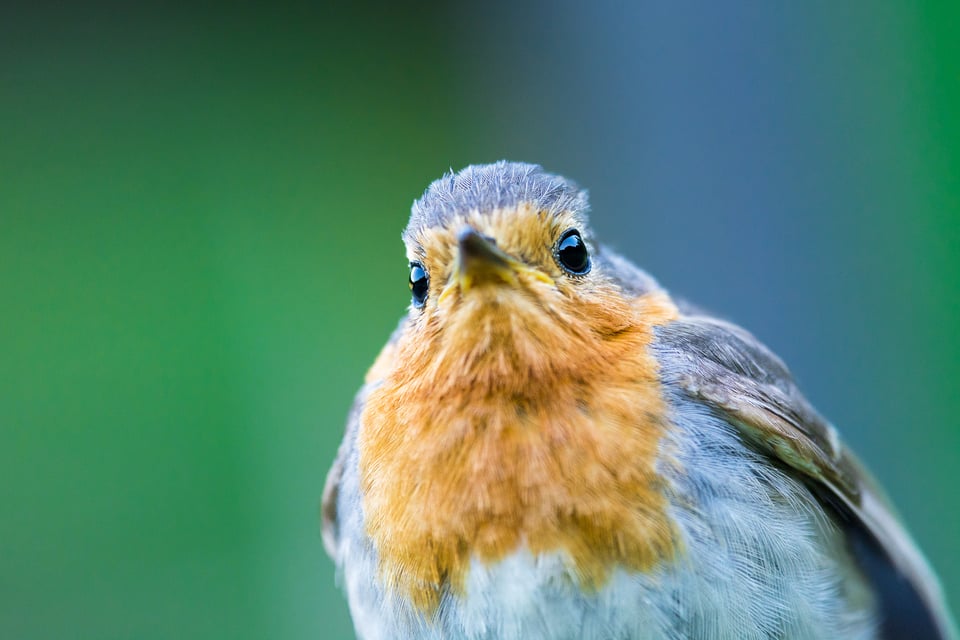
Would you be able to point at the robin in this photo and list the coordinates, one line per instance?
(551, 447)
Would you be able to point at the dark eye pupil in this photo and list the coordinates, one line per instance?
(572, 253)
(419, 284)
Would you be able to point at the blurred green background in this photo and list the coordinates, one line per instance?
(200, 208)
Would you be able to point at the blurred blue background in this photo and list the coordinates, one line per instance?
(200, 208)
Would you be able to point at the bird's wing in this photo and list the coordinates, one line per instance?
(725, 367)
(331, 489)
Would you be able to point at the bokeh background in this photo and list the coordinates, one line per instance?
(200, 208)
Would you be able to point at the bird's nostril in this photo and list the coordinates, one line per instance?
(466, 233)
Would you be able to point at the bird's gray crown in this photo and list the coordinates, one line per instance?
(485, 187)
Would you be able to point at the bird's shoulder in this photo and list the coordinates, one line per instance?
(722, 366)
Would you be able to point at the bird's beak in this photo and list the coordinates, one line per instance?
(480, 261)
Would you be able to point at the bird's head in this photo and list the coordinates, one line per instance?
(507, 284)
(517, 405)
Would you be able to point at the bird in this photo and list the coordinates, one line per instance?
(552, 447)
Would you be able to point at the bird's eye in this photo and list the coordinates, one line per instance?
(419, 284)
(571, 253)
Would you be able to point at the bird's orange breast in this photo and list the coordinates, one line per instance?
(543, 436)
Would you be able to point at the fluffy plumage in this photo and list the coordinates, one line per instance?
(551, 455)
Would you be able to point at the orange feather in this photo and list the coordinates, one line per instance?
(525, 415)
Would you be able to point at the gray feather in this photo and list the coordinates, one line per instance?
(494, 186)
(727, 368)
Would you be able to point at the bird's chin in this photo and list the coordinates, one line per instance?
(505, 289)
(499, 309)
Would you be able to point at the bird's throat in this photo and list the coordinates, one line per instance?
(544, 440)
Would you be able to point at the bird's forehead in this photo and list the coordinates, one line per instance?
(523, 231)
(480, 189)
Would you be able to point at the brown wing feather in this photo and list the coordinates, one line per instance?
(328, 508)
(331, 488)
(726, 367)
